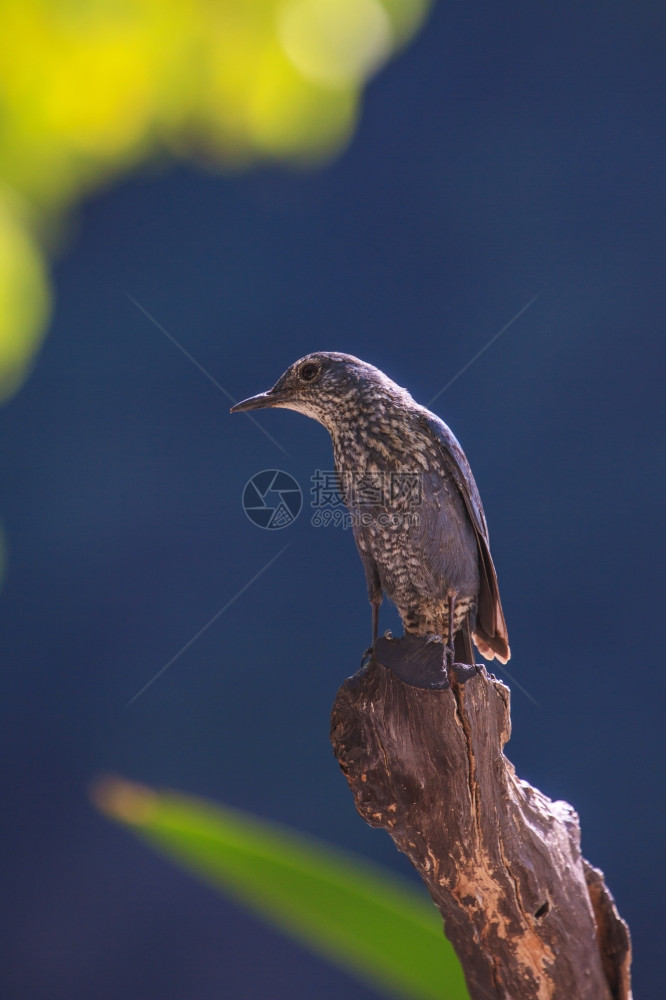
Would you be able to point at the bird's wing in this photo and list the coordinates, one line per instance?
(491, 633)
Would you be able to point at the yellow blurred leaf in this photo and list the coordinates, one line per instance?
(89, 88)
(24, 298)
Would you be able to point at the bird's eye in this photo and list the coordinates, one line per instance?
(309, 372)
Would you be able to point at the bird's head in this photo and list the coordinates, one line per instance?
(328, 387)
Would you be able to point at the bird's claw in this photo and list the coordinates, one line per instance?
(366, 655)
(463, 671)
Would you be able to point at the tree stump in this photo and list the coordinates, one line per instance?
(529, 918)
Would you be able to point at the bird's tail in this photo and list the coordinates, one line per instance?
(493, 647)
(490, 631)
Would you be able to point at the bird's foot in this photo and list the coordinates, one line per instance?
(420, 661)
(463, 671)
(460, 671)
(370, 650)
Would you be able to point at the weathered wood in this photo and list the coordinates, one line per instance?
(526, 914)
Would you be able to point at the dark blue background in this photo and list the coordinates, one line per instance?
(512, 149)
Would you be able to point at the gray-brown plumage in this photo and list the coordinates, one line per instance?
(418, 521)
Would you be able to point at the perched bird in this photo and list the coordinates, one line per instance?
(416, 512)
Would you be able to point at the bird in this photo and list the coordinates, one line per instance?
(416, 514)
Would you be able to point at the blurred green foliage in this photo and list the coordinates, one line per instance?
(376, 926)
(90, 88)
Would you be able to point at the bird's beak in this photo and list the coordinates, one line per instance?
(260, 402)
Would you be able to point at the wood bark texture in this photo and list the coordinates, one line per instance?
(529, 918)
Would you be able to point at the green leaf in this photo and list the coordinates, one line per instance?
(370, 923)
